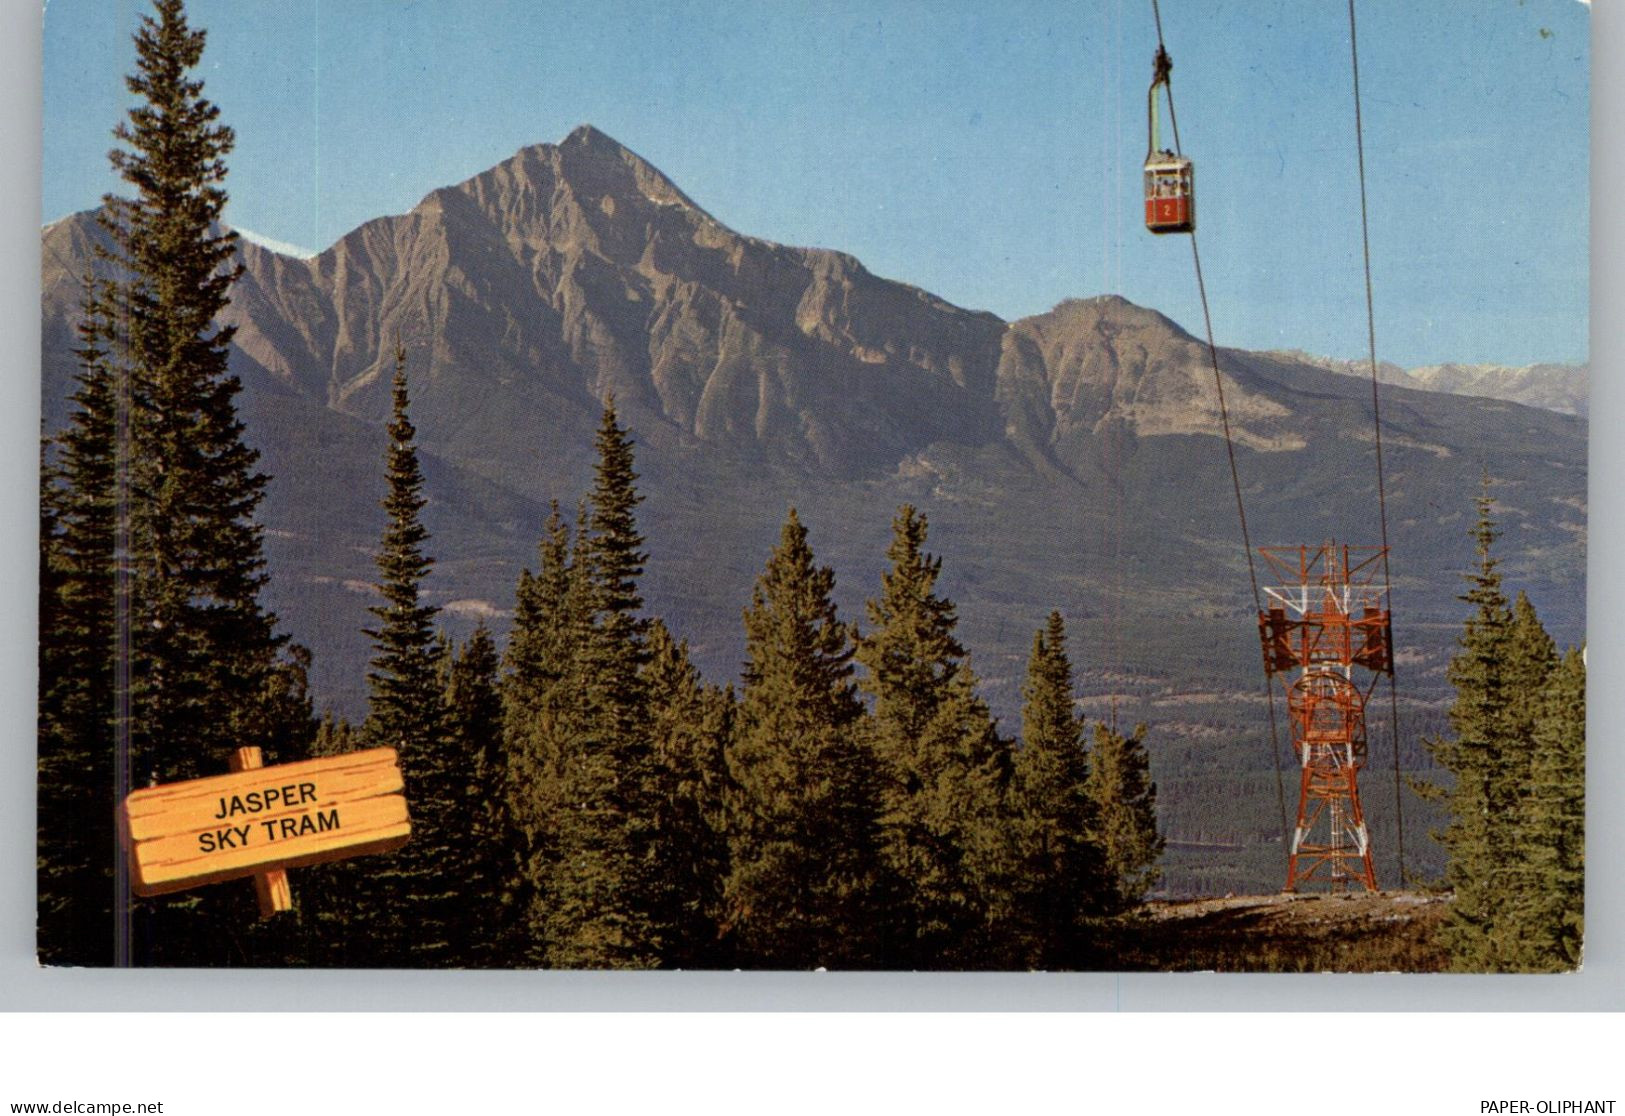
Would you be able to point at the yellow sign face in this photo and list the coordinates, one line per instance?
(225, 827)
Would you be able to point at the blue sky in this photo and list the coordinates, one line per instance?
(987, 152)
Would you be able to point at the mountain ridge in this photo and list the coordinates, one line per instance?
(1549, 385)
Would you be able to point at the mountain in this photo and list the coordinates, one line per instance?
(1069, 460)
(1557, 387)
(578, 269)
(1564, 388)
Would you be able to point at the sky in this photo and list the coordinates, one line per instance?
(989, 153)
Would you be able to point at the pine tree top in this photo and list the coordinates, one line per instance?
(402, 565)
(793, 634)
(404, 705)
(614, 546)
(909, 606)
(174, 157)
(1484, 592)
(1048, 717)
(1485, 578)
(910, 652)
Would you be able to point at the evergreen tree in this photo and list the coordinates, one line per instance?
(408, 901)
(76, 772)
(473, 745)
(540, 716)
(202, 645)
(77, 518)
(603, 897)
(690, 723)
(1531, 656)
(289, 707)
(806, 885)
(1490, 760)
(945, 828)
(1125, 807)
(334, 736)
(1064, 872)
(329, 898)
(545, 629)
(161, 642)
(1555, 832)
(403, 703)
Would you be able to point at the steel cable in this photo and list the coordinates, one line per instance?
(1230, 448)
(1376, 420)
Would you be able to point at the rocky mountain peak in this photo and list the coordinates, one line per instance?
(578, 268)
(588, 169)
(1106, 367)
(585, 135)
(1114, 314)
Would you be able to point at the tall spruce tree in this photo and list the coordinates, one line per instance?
(337, 904)
(202, 643)
(403, 703)
(1555, 828)
(545, 629)
(1125, 807)
(1064, 883)
(473, 824)
(1516, 808)
(1529, 658)
(406, 903)
(604, 905)
(945, 825)
(807, 886)
(77, 782)
(1489, 770)
(690, 724)
(334, 736)
(157, 497)
(540, 715)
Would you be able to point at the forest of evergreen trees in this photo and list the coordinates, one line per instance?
(582, 797)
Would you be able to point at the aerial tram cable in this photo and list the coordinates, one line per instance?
(1157, 171)
(1376, 420)
(1170, 207)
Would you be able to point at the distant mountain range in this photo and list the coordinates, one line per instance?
(1070, 460)
(1564, 388)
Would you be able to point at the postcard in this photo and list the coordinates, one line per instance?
(893, 486)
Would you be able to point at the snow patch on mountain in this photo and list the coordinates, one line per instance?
(280, 247)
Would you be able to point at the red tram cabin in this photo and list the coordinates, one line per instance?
(1170, 199)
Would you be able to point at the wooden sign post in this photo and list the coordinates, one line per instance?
(270, 888)
(260, 821)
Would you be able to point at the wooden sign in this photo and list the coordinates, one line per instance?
(259, 820)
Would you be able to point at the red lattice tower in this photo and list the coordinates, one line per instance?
(1327, 639)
